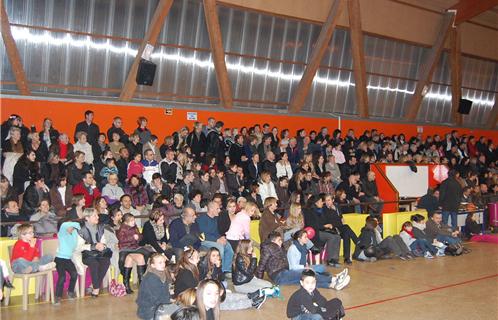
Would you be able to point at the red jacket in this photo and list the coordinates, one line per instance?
(80, 188)
(22, 249)
(125, 236)
(472, 148)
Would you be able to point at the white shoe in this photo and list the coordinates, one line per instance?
(341, 285)
(343, 273)
(440, 253)
(47, 266)
(428, 255)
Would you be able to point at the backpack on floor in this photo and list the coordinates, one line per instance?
(454, 250)
(334, 310)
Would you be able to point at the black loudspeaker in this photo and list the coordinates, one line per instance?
(146, 72)
(464, 106)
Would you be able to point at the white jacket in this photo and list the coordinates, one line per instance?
(267, 190)
(284, 170)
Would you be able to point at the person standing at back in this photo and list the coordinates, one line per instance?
(450, 194)
(91, 129)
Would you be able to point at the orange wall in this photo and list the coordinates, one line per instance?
(66, 114)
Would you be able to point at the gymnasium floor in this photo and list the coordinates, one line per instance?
(464, 287)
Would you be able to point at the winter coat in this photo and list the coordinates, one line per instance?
(241, 273)
(273, 260)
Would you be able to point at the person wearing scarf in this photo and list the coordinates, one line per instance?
(155, 234)
(418, 247)
(153, 297)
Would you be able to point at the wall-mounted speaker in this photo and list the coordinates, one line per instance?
(464, 106)
(146, 72)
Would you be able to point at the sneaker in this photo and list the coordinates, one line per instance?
(440, 253)
(428, 255)
(348, 262)
(371, 259)
(57, 301)
(71, 295)
(343, 273)
(342, 284)
(47, 266)
(258, 302)
(228, 275)
(402, 257)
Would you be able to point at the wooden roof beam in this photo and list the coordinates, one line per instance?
(150, 38)
(215, 40)
(425, 74)
(468, 9)
(299, 97)
(13, 53)
(360, 76)
(456, 74)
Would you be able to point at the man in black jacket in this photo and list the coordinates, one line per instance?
(270, 165)
(34, 194)
(429, 201)
(116, 128)
(450, 195)
(369, 187)
(168, 167)
(215, 143)
(236, 151)
(196, 140)
(89, 127)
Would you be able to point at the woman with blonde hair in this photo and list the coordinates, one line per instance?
(240, 226)
(83, 146)
(266, 187)
(270, 221)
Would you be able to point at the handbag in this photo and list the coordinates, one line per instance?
(106, 253)
(117, 289)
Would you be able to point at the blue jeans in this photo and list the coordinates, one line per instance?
(446, 215)
(226, 253)
(291, 277)
(19, 265)
(308, 316)
(448, 239)
(423, 245)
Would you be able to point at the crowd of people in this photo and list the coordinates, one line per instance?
(180, 212)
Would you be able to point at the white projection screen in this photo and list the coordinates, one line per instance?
(407, 182)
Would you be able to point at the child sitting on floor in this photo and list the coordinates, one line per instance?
(417, 246)
(26, 256)
(308, 304)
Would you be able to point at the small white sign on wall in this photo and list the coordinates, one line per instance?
(420, 129)
(192, 116)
